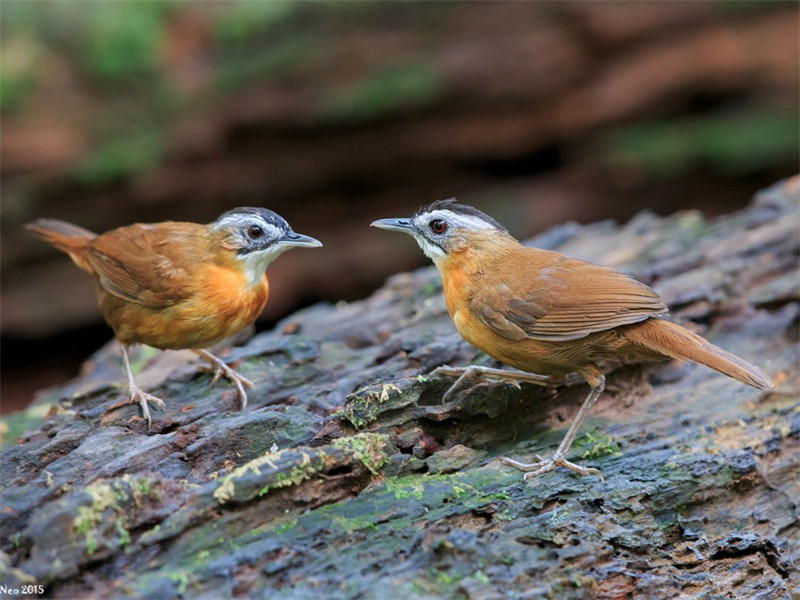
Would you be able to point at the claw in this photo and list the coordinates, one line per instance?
(220, 368)
(543, 465)
(137, 395)
(487, 374)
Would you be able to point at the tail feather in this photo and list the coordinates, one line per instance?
(678, 342)
(66, 237)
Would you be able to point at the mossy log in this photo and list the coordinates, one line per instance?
(347, 477)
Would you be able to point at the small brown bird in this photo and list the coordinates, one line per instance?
(548, 315)
(178, 285)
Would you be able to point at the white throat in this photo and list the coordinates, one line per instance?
(432, 251)
(256, 263)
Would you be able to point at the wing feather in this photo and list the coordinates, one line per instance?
(137, 263)
(567, 299)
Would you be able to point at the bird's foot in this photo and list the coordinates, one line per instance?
(543, 465)
(137, 395)
(488, 374)
(220, 368)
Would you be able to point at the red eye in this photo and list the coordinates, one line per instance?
(438, 226)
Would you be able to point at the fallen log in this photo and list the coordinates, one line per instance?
(347, 476)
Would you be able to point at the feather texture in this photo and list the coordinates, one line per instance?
(560, 298)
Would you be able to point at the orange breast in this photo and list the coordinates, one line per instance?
(457, 281)
(235, 304)
(220, 304)
(460, 275)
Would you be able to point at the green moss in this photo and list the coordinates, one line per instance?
(364, 406)
(442, 582)
(348, 525)
(443, 578)
(12, 426)
(124, 534)
(226, 490)
(559, 516)
(481, 577)
(406, 487)
(469, 488)
(182, 579)
(371, 449)
(296, 475)
(285, 526)
(144, 486)
(597, 445)
(110, 503)
(503, 515)
(84, 524)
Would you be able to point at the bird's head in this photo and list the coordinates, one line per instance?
(258, 236)
(446, 227)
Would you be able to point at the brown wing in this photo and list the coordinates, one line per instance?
(562, 298)
(146, 264)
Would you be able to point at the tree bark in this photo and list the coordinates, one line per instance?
(347, 476)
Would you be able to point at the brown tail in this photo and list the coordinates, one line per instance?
(675, 341)
(66, 237)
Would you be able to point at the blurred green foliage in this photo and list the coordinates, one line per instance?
(116, 50)
(109, 42)
(398, 87)
(112, 56)
(735, 143)
(120, 156)
(240, 66)
(18, 76)
(257, 42)
(119, 40)
(245, 20)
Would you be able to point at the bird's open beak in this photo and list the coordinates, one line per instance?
(404, 225)
(298, 240)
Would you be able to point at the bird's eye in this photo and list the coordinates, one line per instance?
(255, 232)
(438, 226)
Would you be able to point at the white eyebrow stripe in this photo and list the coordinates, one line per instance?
(239, 220)
(455, 219)
(242, 220)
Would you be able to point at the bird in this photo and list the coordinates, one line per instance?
(548, 315)
(179, 285)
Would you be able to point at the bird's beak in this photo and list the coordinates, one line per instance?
(298, 240)
(404, 225)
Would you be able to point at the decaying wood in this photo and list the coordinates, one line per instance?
(347, 476)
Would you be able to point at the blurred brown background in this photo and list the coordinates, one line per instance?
(337, 113)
